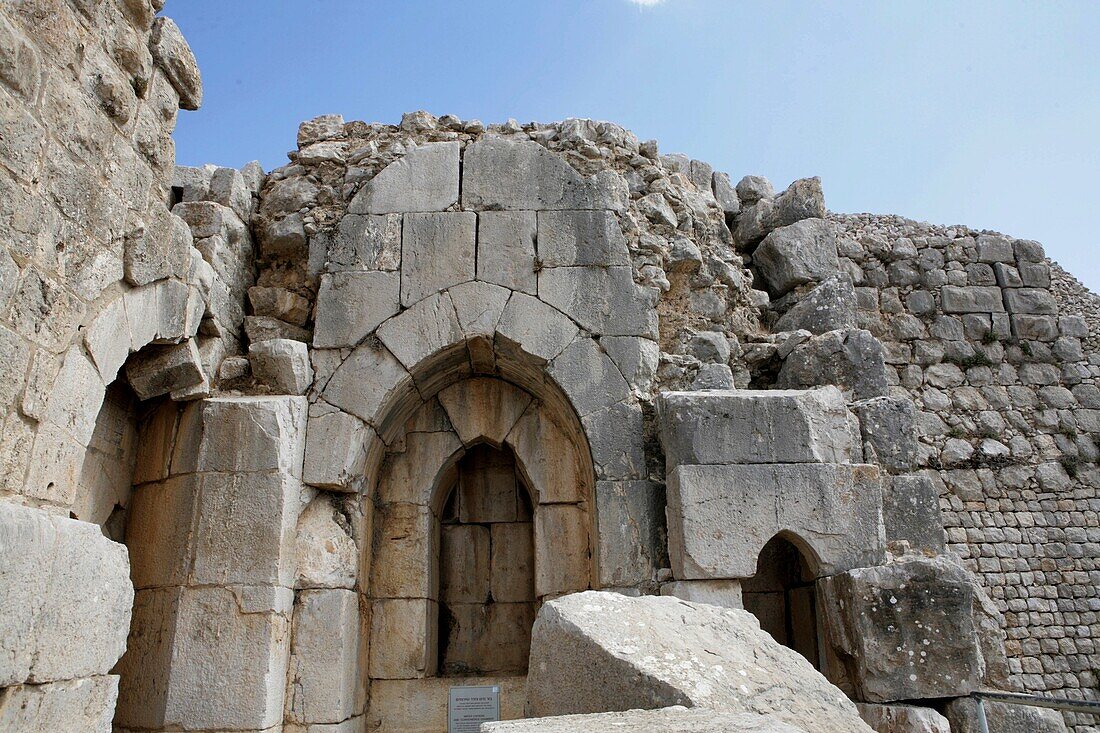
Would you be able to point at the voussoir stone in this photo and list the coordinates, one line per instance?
(352, 304)
(654, 652)
(755, 426)
(424, 179)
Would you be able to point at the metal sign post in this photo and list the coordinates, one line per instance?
(469, 707)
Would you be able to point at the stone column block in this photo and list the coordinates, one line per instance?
(562, 555)
(324, 680)
(403, 634)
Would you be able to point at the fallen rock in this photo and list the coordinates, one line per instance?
(829, 306)
(653, 652)
(802, 252)
(851, 359)
(675, 719)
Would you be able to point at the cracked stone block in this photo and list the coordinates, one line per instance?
(327, 554)
(324, 684)
(724, 593)
(604, 300)
(424, 179)
(282, 364)
(506, 249)
(437, 251)
(158, 370)
(828, 307)
(364, 242)
(720, 517)
(756, 426)
(799, 253)
(336, 451)
(350, 305)
(852, 360)
(252, 434)
(631, 520)
(86, 705)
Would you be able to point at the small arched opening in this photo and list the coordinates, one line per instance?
(487, 601)
(781, 596)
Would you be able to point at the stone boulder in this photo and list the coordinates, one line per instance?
(851, 359)
(675, 719)
(799, 253)
(828, 307)
(1003, 718)
(597, 652)
(917, 628)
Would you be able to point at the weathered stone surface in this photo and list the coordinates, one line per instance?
(605, 300)
(483, 409)
(588, 377)
(464, 570)
(1003, 718)
(616, 437)
(326, 554)
(725, 593)
(404, 553)
(828, 307)
(437, 251)
(282, 364)
(674, 719)
(910, 630)
(365, 243)
(410, 626)
(65, 598)
(523, 175)
(888, 424)
(251, 434)
(265, 328)
(1030, 300)
(175, 58)
(324, 684)
(352, 304)
(581, 239)
(279, 303)
(911, 512)
(902, 718)
(756, 426)
(798, 253)
(536, 328)
(366, 381)
(409, 474)
(630, 517)
(512, 563)
(336, 451)
(852, 360)
(548, 458)
(720, 517)
(506, 249)
(225, 647)
(648, 652)
(424, 179)
(562, 555)
(86, 705)
(162, 369)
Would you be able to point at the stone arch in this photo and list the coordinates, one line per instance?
(781, 594)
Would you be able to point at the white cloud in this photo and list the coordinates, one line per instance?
(647, 2)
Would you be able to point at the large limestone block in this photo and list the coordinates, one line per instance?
(326, 552)
(420, 705)
(799, 253)
(1003, 718)
(249, 434)
(160, 530)
(562, 554)
(581, 239)
(464, 570)
(537, 329)
(65, 598)
(403, 638)
(756, 426)
(652, 652)
(282, 364)
(911, 512)
(228, 661)
(972, 299)
(674, 719)
(918, 628)
(245, 529)
(616, 436)
(588, 377)
(512, 562)
(352, 304)
(829, 306)
(523, 175)
(424, 179)
(484, 408)
(405, 564)
(888, 425)
(547, 457)
(630, 516)
(85, 705)
(336, 451)
(903, 719)
(853, 360)
(324, 682)
(365, 243)
(75, 401)
(409, 475)
(605, 300)
(437, 251)
(506, 249)
(720, 517)
(158, 370)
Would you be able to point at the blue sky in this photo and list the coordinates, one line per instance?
(960, 112)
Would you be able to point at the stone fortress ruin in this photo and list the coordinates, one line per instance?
(299, 450)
